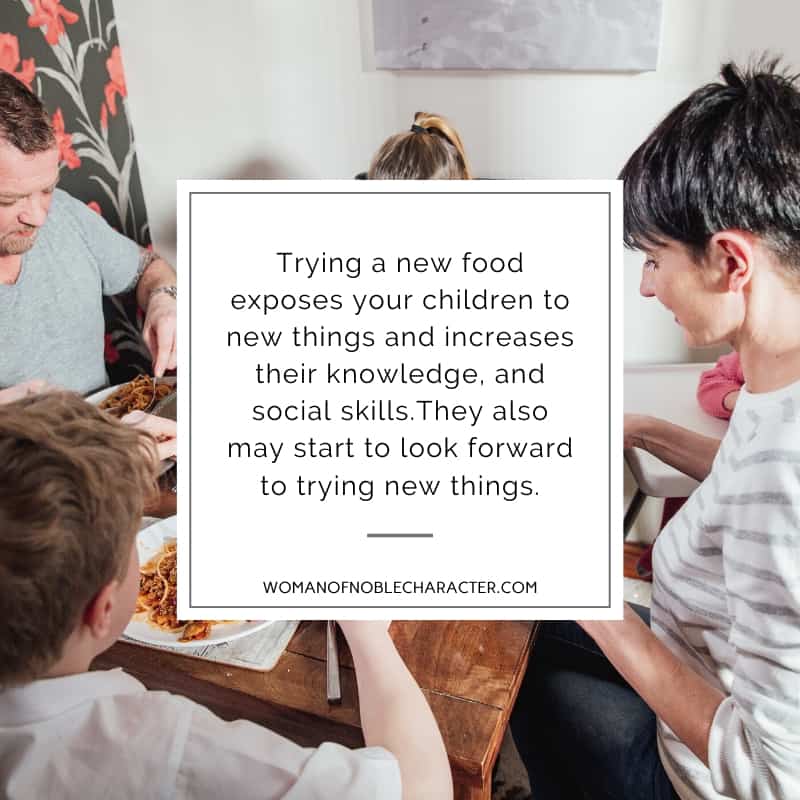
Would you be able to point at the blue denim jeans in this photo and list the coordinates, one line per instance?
(580, 729)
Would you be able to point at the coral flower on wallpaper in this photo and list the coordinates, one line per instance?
(78, 74)
(48, 14)
(9, 59)
(110, 352)
(116, 86)
(65, 152)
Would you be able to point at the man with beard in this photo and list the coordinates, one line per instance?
(57, 259)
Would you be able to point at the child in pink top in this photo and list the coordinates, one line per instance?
(719, 386)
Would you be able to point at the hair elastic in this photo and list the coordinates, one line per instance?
(418, 129)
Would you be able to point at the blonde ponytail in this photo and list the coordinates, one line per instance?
(431, 150)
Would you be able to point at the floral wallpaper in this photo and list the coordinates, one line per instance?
(68, 53)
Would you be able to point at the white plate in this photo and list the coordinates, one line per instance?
(149, 542)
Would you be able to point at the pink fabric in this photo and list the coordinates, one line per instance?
(718, 382)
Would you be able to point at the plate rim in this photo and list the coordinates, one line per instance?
(255, 625)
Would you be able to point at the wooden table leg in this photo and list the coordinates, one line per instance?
(473, 792)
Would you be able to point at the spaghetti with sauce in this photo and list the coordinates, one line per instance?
(135, 396)
(158, 596)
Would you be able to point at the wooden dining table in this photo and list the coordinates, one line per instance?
(469, 671)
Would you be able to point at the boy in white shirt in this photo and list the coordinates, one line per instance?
(72, 486)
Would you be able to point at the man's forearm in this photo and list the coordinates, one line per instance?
(675, 693)
(157, 273)
(687, 451)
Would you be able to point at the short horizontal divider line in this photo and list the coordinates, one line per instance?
(399, 536)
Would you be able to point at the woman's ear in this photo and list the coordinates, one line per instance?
(732, 253)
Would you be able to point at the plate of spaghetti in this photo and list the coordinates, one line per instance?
(155, 620)
(136, 395)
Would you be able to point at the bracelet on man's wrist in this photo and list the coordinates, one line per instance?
(172, 291)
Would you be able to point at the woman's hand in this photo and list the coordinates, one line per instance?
(20, 390)
(729, 401)
(164, 431)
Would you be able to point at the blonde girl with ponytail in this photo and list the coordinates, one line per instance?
(430, 150)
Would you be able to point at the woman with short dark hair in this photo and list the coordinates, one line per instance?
(705, 701)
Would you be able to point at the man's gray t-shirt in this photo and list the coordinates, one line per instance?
(51, 319)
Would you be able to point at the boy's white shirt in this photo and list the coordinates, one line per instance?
(103, 734)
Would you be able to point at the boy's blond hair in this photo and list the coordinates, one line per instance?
(73, 483)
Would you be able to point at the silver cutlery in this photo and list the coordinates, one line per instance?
(153, 401)
(334, 686)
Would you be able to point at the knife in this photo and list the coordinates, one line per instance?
(334, 686)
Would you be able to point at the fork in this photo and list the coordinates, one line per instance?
(169, 479)
(153, 401)
(334, 687)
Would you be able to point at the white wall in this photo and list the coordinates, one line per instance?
(285, 88)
